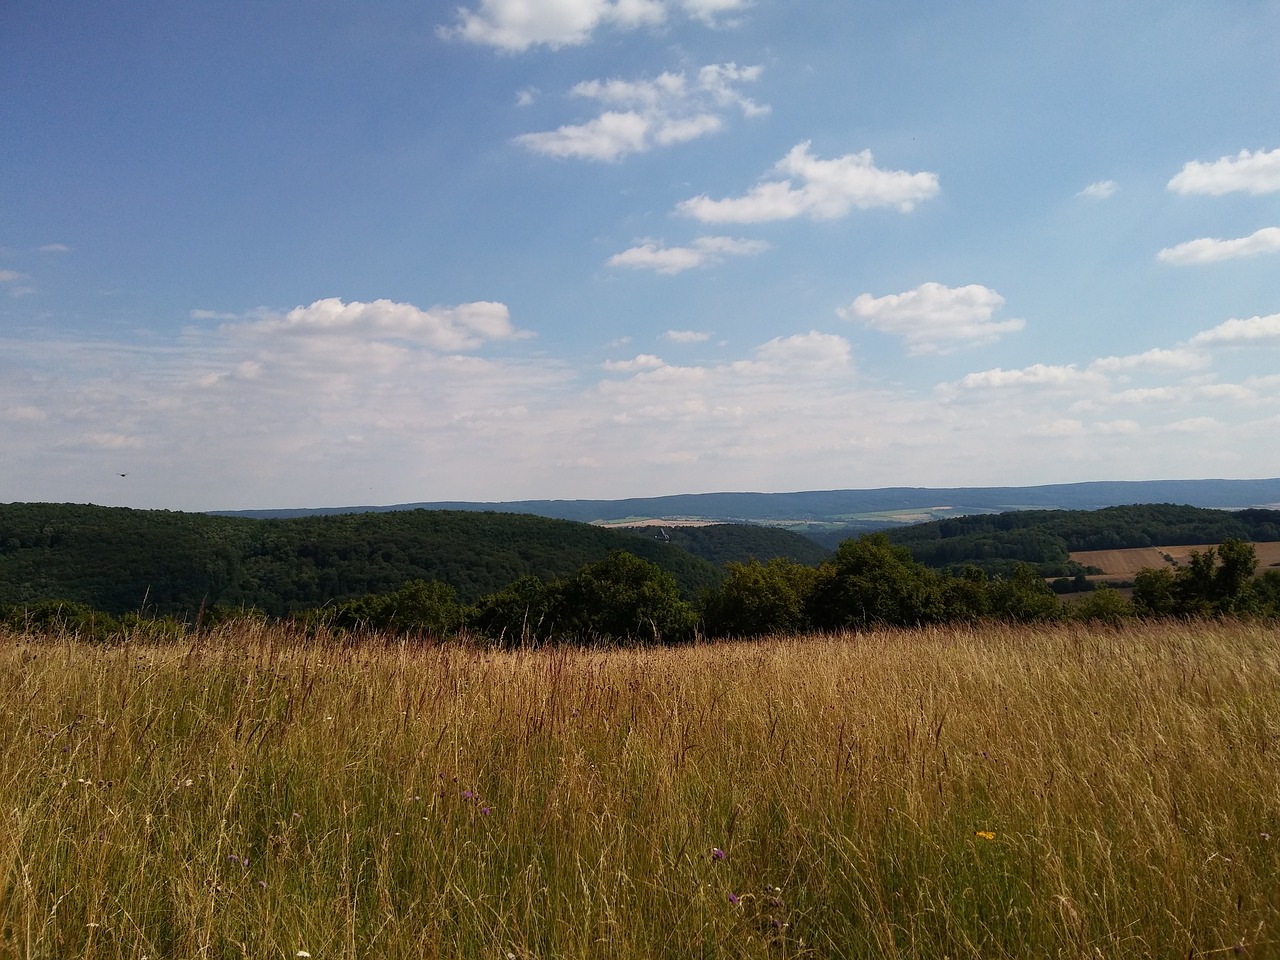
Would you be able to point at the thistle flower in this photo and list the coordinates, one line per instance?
(718, 854)
(734, 899)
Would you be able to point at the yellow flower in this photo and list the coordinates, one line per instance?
(985, 834)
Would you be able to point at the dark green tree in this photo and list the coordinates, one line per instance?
(520, 613)
(758, 599)
(870, 582)
(622, 599)
(1024, 596)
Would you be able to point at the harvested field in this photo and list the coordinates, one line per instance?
(1127, 563)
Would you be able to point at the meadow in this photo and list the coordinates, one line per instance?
(1061, 790)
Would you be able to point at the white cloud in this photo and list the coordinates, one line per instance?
(516, 25)
(1254, 173)
(686, 336)
(1241, 331)
(1210, 250)
(10, 276)
(1060, 428)
(445, 329)
(23, 414)
(813, 353)
(704, 251)
(54, 248)
(1122, 428)
(527, 96)
(1147, 395)
(643, 361)
(1154, 359)
(1100, 190)
(1038, 375)
(1226, 391)
(643, 114)
(933, 317)
(1193, 425)
(829, 189)
(609, 136)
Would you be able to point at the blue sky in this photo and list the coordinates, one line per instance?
(302, 254)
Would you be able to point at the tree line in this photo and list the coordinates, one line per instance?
(624, 599)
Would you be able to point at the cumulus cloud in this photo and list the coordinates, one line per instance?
(1100, 190)
(812, 353)
(1210, 249)
(827, 190)
(704, 251)
(1241, 331)
(516, 25)
(445, 329)
(1247, 172)
(642, 114)
(933, 318)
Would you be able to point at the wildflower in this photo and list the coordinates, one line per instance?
(985, 834)
(262, 884)
(467, 795)
(302, 953)
(718, 854)
(485, 811)
(734, 899)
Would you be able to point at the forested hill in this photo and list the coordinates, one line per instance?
(1046, 537)
(119, 560)
(846, 506)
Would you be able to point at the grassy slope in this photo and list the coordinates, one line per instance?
(990, 793)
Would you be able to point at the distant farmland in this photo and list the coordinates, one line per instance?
(1127, 563)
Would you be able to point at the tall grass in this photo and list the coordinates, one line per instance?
(1051, 792)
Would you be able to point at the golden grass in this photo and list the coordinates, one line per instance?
(991, 792)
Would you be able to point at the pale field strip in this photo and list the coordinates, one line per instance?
(1134, 560)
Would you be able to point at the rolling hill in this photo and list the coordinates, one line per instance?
(119, 560)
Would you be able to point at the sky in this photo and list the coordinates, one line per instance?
(288, 254)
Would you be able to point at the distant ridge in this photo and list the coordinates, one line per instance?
(854, 506)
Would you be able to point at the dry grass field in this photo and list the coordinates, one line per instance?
(1056, 791)
(1127, 563)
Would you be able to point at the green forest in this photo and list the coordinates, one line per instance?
(518, 579)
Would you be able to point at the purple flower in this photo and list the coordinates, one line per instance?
(467, 795)
(734, 899)
(717, 854)
(485, 811)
